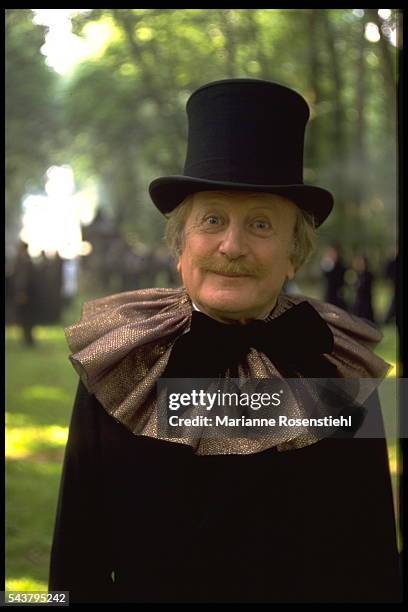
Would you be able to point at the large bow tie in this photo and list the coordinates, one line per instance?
(211, 347)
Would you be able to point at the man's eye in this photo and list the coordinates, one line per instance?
(261, 225)
(212, 220)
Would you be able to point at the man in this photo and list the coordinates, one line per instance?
(26, 295)
(334, 271)
(363, 300)
(146, 516)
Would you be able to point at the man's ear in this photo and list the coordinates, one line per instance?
(179, 266)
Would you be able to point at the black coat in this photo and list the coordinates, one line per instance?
(314, 524)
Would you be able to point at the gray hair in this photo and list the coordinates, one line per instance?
(304, 239)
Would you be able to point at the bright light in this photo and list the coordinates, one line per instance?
(371, 32)
(62, 48)
(97, 36)
(60, 181)
(358, 12)
(86, 248)
(52, 223)
(384, 13)
(86, 202)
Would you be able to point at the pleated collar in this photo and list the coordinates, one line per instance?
(121, 345)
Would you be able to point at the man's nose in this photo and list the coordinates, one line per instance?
(234, 241)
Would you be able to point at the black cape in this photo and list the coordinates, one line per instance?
(145, 520)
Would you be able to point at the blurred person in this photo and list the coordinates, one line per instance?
(9, 292)
(69, 289)
(43, 280)
(25, 293)
(334, 270)
(363, 302)
(54, 290)
(146, 517)
(48, 270)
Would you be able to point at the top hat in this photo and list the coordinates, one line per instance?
(244, 135)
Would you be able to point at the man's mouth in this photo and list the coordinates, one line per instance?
(231, 274)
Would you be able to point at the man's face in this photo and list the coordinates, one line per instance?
(236, 255)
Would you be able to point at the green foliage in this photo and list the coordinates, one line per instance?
(124, 109)
(158, 56)
(32, 110)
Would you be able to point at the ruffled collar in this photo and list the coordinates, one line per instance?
(122, 343)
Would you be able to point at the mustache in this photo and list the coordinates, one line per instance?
(212, 264)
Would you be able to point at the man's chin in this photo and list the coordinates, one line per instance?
(227, 308)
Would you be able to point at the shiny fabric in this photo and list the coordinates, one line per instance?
(123, 343)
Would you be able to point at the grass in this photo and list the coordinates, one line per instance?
(40, 388)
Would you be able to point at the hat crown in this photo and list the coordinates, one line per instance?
(247, 131)
(244, 135)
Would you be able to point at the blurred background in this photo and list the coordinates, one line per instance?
(95, 109)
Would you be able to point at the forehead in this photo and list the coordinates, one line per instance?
(242, 199)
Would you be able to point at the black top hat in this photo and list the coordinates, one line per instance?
(244, 135)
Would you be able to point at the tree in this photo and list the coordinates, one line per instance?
(33, 140)
(125, 108)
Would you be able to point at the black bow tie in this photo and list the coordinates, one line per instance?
(211, 347)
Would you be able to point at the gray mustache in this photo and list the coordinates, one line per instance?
(230, 267)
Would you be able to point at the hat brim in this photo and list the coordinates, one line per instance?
(167, 192)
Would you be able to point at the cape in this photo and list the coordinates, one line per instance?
(122, 343)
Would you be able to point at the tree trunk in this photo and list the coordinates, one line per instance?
(314, 88)
(387, 64)
(338, 119)
(228, 30)
(360, 165)
(156, 91)
(338, 135)
(255, 34)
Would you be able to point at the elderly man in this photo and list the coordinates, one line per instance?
(146, 516)
(238, 253)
